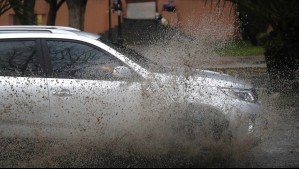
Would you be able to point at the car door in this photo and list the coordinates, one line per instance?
(84, 94)
(24, 101)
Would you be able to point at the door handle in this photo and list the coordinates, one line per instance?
(63, 93)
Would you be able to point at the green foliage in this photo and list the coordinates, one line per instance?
(282, 43)
(246, 49)
(252, 26)
(238, 49)
(278, 13)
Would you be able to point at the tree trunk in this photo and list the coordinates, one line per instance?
(82, 14)
(52, 12)
(4, 6)
(24, 11)
(29, 16)
(54, 7)
(76, 13)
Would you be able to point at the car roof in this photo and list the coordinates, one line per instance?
(35, 29)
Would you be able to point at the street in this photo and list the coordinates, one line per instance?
(280, 147)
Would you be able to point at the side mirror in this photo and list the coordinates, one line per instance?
(122, 72)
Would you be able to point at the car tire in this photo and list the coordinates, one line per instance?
(201, 123)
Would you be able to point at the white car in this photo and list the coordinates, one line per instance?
(59, 82)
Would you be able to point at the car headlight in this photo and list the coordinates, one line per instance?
(248, 95)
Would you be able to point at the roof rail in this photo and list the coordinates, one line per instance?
(24, 31)
(46, 29)
(34, 27)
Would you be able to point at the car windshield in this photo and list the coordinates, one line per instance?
(138, 58)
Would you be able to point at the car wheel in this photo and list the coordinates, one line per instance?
(201, 123)
(246, 129)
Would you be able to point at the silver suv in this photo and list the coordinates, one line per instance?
(61, 82)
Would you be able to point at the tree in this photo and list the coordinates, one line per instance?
(4, 6)
(54, 7)
(76, 13)
(282, 44)
(252, 27)
(24, 10)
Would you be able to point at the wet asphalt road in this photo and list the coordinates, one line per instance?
(280, 145)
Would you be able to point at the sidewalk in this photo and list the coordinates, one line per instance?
(167, 46)
(236, 62)
(175, 55)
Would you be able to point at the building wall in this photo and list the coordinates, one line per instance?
(195, 17)
(205, 19)
(96, 17)
(41, 8)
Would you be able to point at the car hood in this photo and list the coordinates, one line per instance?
(197, 77)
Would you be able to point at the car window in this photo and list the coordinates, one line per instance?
(19, 58)
(75, 60)
(138, 58)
